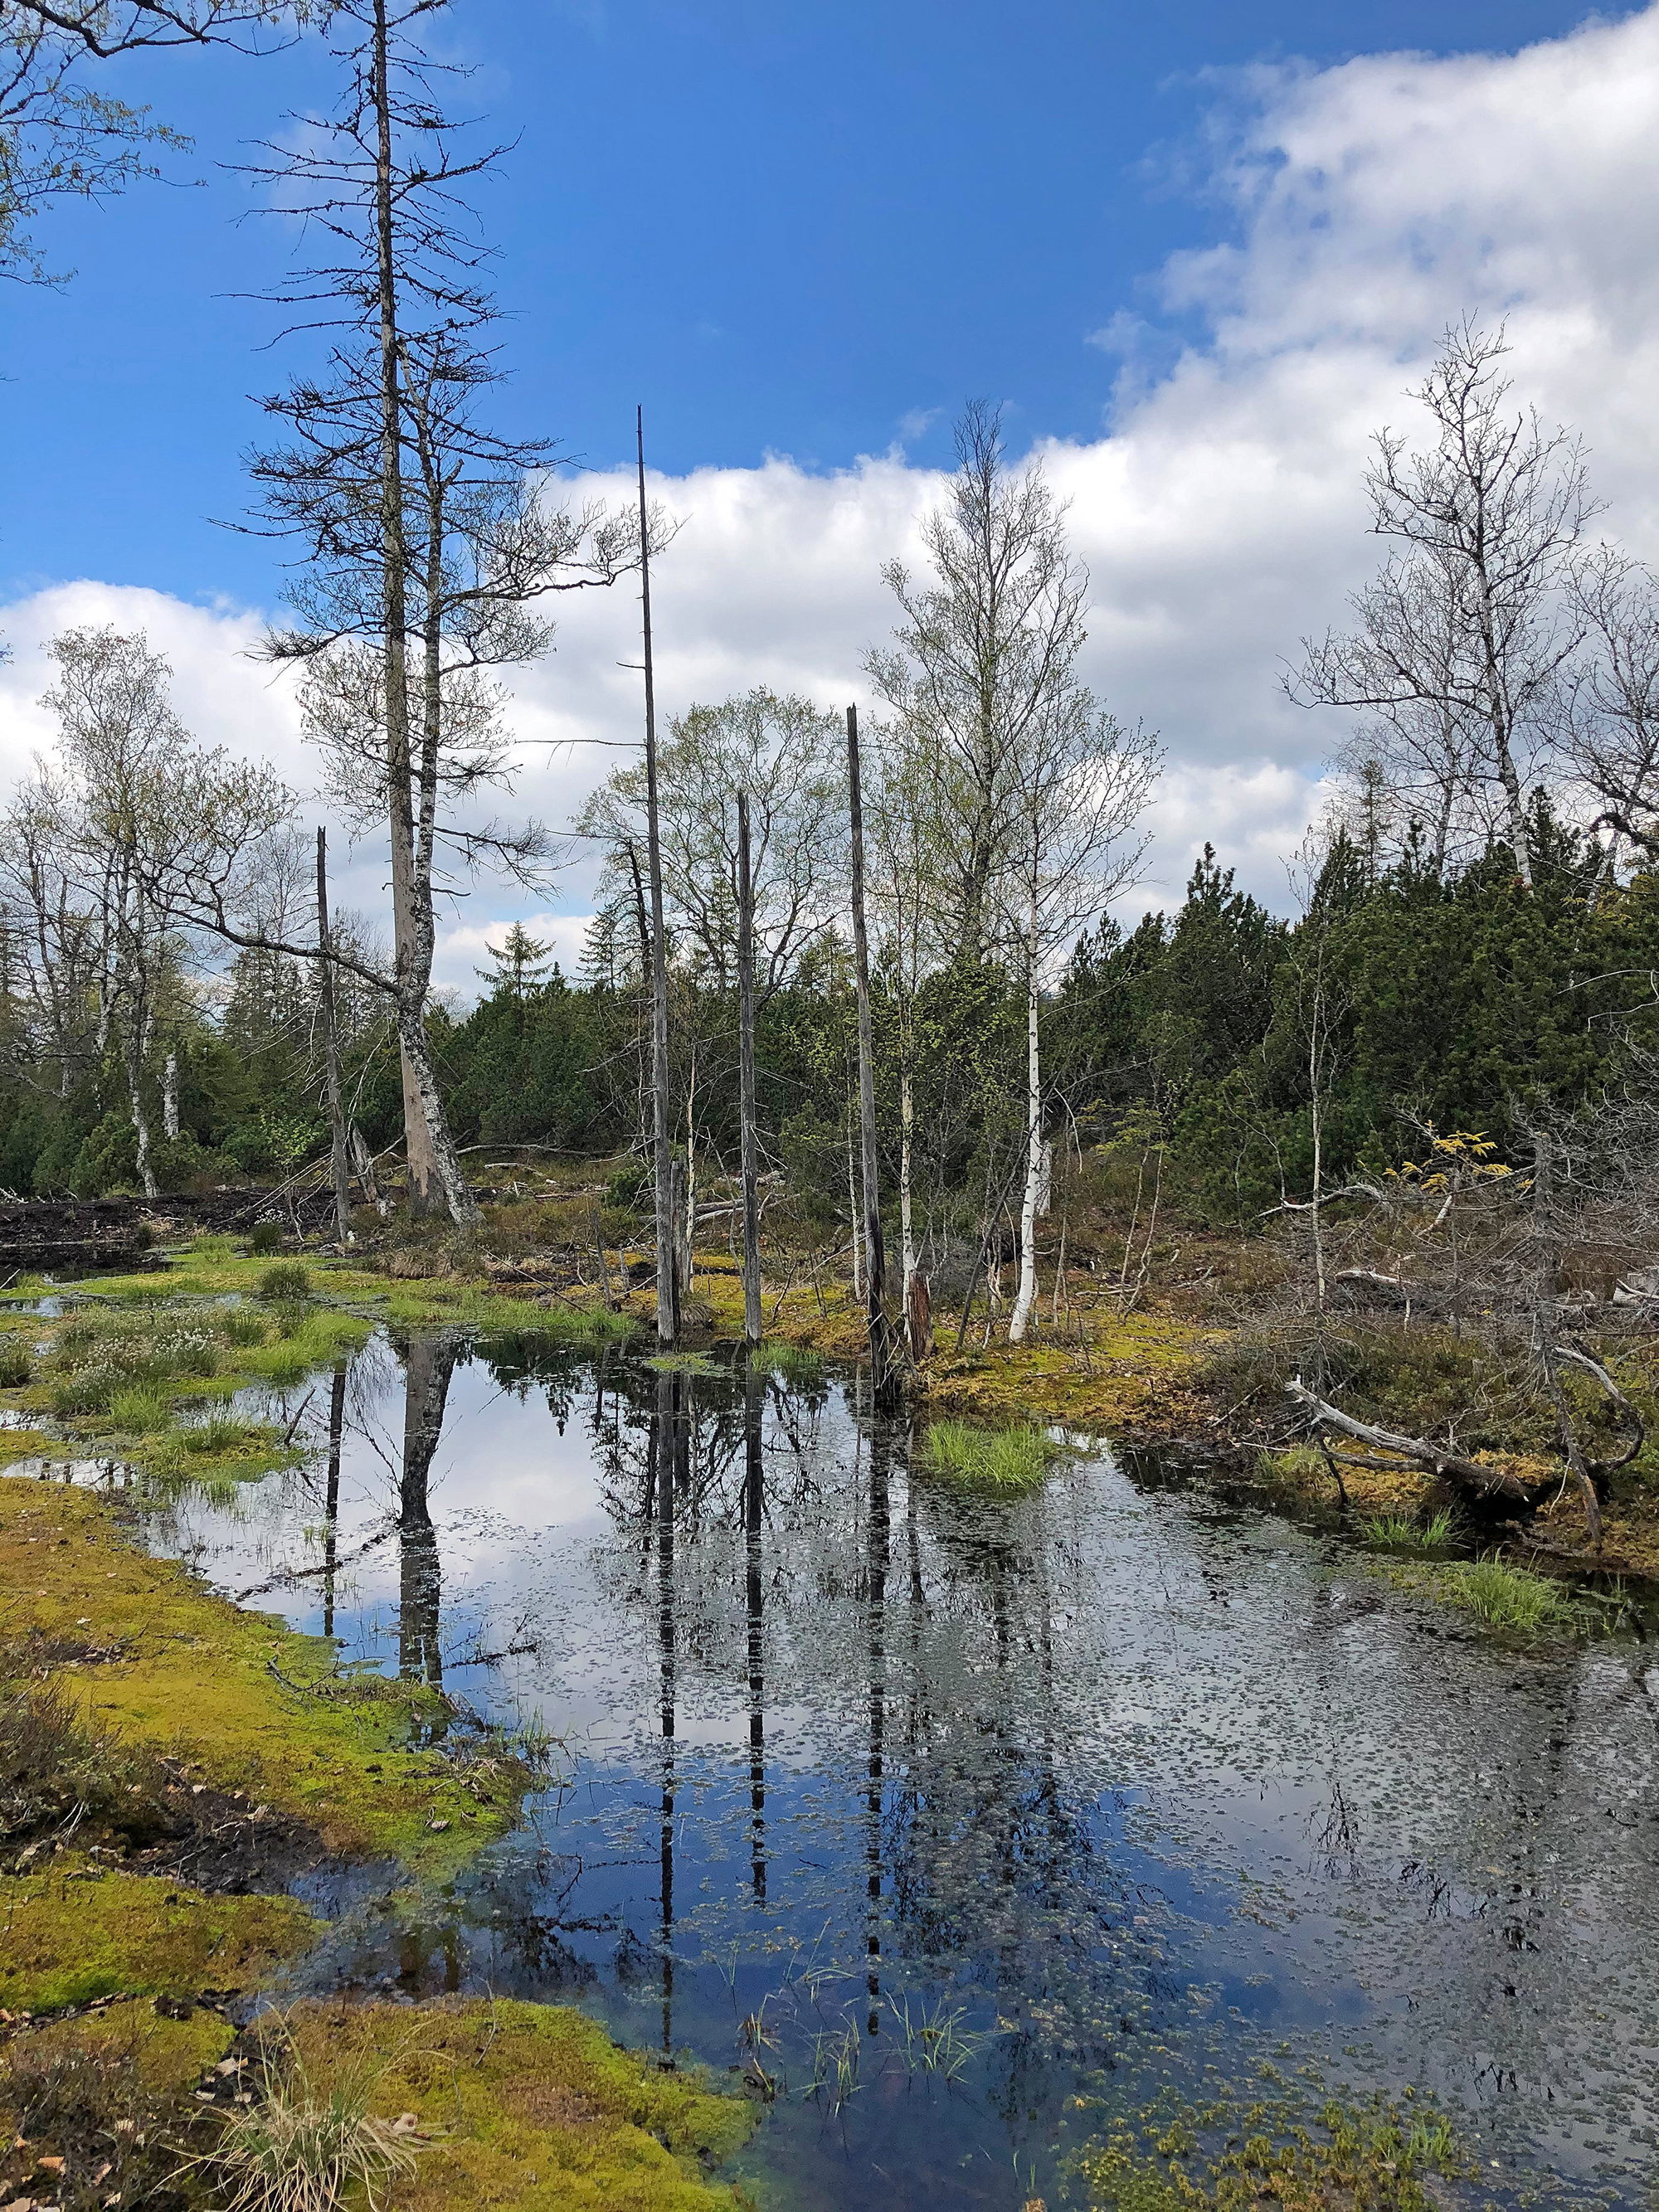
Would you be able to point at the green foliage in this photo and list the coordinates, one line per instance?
(1402, 1532)
(1016, 1458)
(286, 1285)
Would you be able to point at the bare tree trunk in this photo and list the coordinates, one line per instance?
(853, 1207)
(338, 1164)
(882, 1363)
(1020, 1320)
(135, 1063)
(424, 1185)
(170, 1098)
(1544, 1298)
(746, 1108)
(668, 1289)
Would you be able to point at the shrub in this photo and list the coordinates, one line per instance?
(267, 1237)
(16, 1367)
(286, 1283)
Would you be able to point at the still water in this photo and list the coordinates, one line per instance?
(1108, 1791)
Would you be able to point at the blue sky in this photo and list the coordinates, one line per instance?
(808, 229)
(1199, 254)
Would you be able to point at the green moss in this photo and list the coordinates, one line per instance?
(167, 2054)
(538, 2108)
(282, 1722)
(75, 1932)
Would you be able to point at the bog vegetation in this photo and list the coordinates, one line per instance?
(870, 997)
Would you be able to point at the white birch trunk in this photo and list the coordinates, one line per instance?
(170, 1098)
(1026, 1299)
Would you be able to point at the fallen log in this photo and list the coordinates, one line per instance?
(1487, 1481)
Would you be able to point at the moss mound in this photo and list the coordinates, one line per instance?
(75, 1931)
(533, 2106)
(282, 1723)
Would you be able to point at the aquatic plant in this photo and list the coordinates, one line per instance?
(301, 2148)
(1376, 2157)
(836, 2054)
(1504, 1596)
(795, 1363)
(1402, 1532)
(1014, 1458)
(934, 2036)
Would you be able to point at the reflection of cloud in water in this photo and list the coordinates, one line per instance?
(1127, 1768)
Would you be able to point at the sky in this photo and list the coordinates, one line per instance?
(1197, 254)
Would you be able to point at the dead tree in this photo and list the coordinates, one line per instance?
(882, 1364)
(746, 1110)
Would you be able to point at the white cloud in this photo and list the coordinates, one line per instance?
(1366, 206)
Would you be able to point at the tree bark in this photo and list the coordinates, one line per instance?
(746, 1108)
(170, 1098)
(1025, 1300)
(339, 1165)
(883, 1365)
(668, 1297)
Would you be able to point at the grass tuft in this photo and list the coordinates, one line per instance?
(286, 1284)
(142, 1408)
(1402, 1532)
(1015, 1458)
(298, 2147)
(1509, 1597)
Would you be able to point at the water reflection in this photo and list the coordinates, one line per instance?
(1132, 1787)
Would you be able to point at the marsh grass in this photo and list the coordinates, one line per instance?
(286, 1283)
(298, 2147)
(223, 1432)
(244, 1326)
(1509, 1597)
(795, 1363)
(1403, 1532)
(142, 1408)
(1014, 1458)
(16, 1365)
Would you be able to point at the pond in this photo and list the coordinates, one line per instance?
(960, 1824)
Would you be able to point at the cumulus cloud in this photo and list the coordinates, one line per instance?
(1359, 209)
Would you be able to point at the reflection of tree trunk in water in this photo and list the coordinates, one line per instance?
(877, 1620)
(754, 1492)
(665, 1431)
(331, 1520)
(427, 1365)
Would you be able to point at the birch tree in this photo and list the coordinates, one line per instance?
(1612, 720)
(1084, 782)
(981, 648)
(61, 137)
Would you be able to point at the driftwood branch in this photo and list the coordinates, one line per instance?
(1594, 1367)
(1489, 1481)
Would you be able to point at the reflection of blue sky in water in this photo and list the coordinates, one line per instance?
(1160, 1785)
